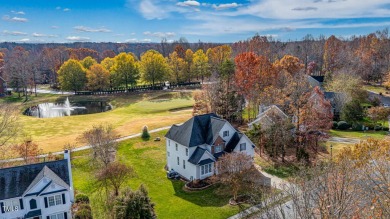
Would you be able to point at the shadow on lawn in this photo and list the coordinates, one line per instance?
(213, 196)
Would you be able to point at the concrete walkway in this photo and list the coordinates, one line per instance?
(88, 146)
(276, 182)
(344, 140)
(45, 91)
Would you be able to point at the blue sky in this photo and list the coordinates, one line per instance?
(208, 21)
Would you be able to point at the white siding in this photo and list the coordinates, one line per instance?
(190, 169)
(249, 149)
(230, 129)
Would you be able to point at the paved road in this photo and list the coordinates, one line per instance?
(88, 146)
(384, 99)
(44, 91)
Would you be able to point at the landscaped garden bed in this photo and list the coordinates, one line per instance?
(197, 185)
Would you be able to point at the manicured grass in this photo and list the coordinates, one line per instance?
(358, 134)
(336, 148)
(148, 159)
(376, 89)
(131, 112)
(283, 171)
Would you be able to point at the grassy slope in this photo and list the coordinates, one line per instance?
(148, 159)
(130, 114)
(358, 134)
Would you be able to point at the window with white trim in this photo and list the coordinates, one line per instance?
(169, 142)
(218, 149)
(57, 216)
(178, 161)
(205, 169)
(168, 154)
(184, 164)
(54, 200)
(176, 147)
(186, 151)
(225, 133)
(242, 146)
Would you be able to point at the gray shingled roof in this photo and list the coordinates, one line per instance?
(14, 181)
(233, 142)
(198, 130)
(47, 172)
(197, 155)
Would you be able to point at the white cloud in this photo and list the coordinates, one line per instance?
(77, 38)
(132, 34)
(134, 40)
(23, 40)
(58, 8)
(14, 19)
(91, 30)
(309, 9)
(145, 41)
(226, 6)
(188, 4)
(158, 9)
(54, 27)
(160, 34)
(14, 33)
(18, 12)
(66, 9)
(44, 35)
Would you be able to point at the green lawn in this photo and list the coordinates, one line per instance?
(131, 112)
(358, 134)
(148, 159)
(377, 89)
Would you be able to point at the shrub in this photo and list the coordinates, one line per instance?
(83, 213)
(145, 133)
(378, 128)
(82, 198)
(369, 125)
(342, 125)
(357, 127)
(385, 129)
(334, 125)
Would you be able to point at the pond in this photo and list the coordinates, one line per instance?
(67, 108)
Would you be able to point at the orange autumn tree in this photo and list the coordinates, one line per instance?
(332, 50)
(289, 63)
(28, 150)
(98, 78)
(247, 77)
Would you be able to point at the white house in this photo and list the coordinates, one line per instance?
(37, 191)
(195, 146)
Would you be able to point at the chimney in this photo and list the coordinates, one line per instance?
(67, 157)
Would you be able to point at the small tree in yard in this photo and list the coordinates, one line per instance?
(145, 133)
(235, 171)
(378, 114)
(28, 150)
(134, 205)
(352, 112)
(102, 140)
(115, 174)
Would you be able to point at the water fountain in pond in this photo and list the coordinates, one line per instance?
(50, 110)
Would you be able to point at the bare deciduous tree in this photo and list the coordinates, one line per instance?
(115, 174)
(102, 140)
(235, 170)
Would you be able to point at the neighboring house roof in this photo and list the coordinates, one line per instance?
(202, 129)
(266, 118)
(14, 181)
(313, 82)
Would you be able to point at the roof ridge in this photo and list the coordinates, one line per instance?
(34, 164)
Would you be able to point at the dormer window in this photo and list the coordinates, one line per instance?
(218, 148)
(225, 133)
